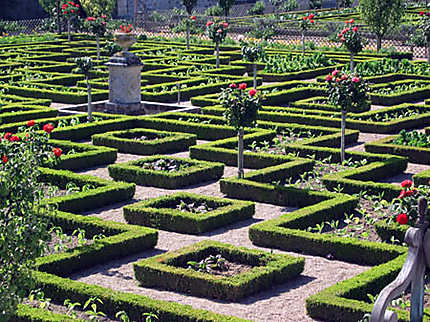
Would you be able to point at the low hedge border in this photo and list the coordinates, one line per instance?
(85, 156)
(27, 313)
(414, 154)
(19, 112)
(347, 301)
(289, 231)
(199, 171)
(161, 141)
(156, 213)
(79, 131)
(106, 192)
(168, 272)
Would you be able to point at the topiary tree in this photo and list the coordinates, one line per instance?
(305, 23)
(217, 32)
(84, 66)
(98, 7)
(241, 110)
(252, 53)
(52, 7)
(23, 229)
(381, 16)
(226, 5)
(96, 26)
(70, 10)
(189, 6)
(352, 40)
(350, 93)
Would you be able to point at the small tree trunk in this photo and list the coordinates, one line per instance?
(303, 44)
(188, 36)
(98, 46)
(351, 63)
(240, 172)
(342, 139)
(179, 93)
(69, 27)
(90, 105)
(255, 75)
(378, 43)
(428, 51)
(217, 54)
(58, 18)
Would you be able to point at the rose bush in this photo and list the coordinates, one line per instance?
(70, 10)
(352, 40)
(305, 23)
(97, 27)
(22, 229)
(217, 32)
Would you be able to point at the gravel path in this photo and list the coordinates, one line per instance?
(286, 301)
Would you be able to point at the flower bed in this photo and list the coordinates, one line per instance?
(169, 271)
(166, 172)
(188, 213)
(145, 141)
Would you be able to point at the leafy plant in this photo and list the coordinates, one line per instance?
(412, 138)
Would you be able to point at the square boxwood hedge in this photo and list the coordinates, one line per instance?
(197, 172)
(158, 142)
(168, 271)
(386, 146)
(162, 213)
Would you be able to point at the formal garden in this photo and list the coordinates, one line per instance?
(212, 173)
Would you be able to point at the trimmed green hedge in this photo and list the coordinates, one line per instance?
(197, 172)
(162, 213)
(158, 142)
(19, 112)
(169, 271)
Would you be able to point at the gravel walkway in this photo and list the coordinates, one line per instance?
(286, 301)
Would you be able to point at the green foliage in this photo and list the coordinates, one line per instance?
(381, 15)
(98, 7)
(7, 27)
(84, 65)
(96, 25)
(252, 53)
(217, 31)
(352, 39)
(262, 29)
(280, 64)
(22, 230)
(226, 5)
(284, 5)
(315, 4)
(257, 9)
(215, 11)
(241, 106)
(412, 138)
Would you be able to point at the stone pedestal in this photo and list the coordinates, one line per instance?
(124, 84)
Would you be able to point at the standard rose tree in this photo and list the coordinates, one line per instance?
(217, 32)
(352, 40)
(241, 110)
(84, 66)
(23, 230)
(350, 93)
(252, 53)
(96, 26)
(305, 23)
(189, 6)
(425, 27)
(70, 10)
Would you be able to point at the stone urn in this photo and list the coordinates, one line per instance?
(125, 40)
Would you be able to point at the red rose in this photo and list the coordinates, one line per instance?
(14, 139)
(193, 18)
(252, 92)
(57, 152)
(329, 78)
(233, 85)
(409, 193)
(5, 159)
(209, 23)
(340, 35)
(355, 29)
(347, 21)
(406, 183)
(72, 11)
(402, 194)
(311, 16)
(91, 19)
(225, 24)
(242, 86)
(335, 72)
(31, 123)
(402, 219)
(104, 16)
(422, 13)
(351, 21)
(76, 5)
(312, 21)
(344, 77)
(342, 39)
(355, 79)
(7, 136)
(66, 12)
(219, 31)
(48, 128)
(305, 18)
